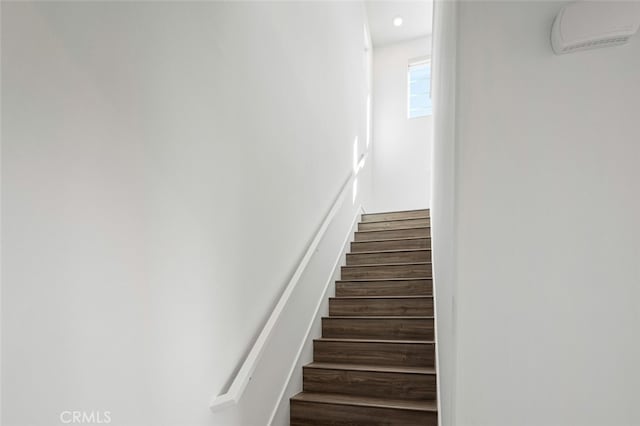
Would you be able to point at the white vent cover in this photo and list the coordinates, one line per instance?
(586, 25)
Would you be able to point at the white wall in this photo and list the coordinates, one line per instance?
(401, 146)
(443, 207)
(164, 167)
(548, 243)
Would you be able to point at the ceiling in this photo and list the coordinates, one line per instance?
(416, 16)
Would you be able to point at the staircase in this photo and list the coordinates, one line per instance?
(375, 362)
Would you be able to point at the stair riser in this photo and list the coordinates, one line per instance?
(378, 328)
(413, 214)
(318, 414)
(380, 307)
(406, 244)
(392, 257)
(393, 224)
(373, 353)
(384, 288)
(393, 233)
(386, 271)
(370, 383)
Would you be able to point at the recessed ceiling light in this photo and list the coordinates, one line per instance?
(397, 21)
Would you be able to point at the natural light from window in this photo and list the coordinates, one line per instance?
(419, 89)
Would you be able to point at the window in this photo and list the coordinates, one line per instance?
(419, 88)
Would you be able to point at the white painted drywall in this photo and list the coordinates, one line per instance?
(164, 167)
(401, 146)
(443, 212)
(548, 241)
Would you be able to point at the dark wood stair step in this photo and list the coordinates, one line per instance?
(388, 234)
(391, 244)
(389, 256)
(409, 353)
(385, 287)
(394, 224)
(412, 383)
(371, 368)
(316, 409)
(384, 271)
(378, 327)
(405, 214)
(381, 306)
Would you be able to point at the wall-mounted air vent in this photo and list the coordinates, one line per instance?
(587, 25)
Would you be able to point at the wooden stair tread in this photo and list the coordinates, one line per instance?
(360, 280)
(386, 264)
(391, 256)
(388, 251)
(403, 214)
(381, 297)
(391, 239)
(404, 229)
(387, 270)
(384, 287)
(362, 235)
(395, 220)
(397, 211)
(394, 224)
(366, 401)
(389, 327)
(376, 368)
(347, 340)
(380, 317)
